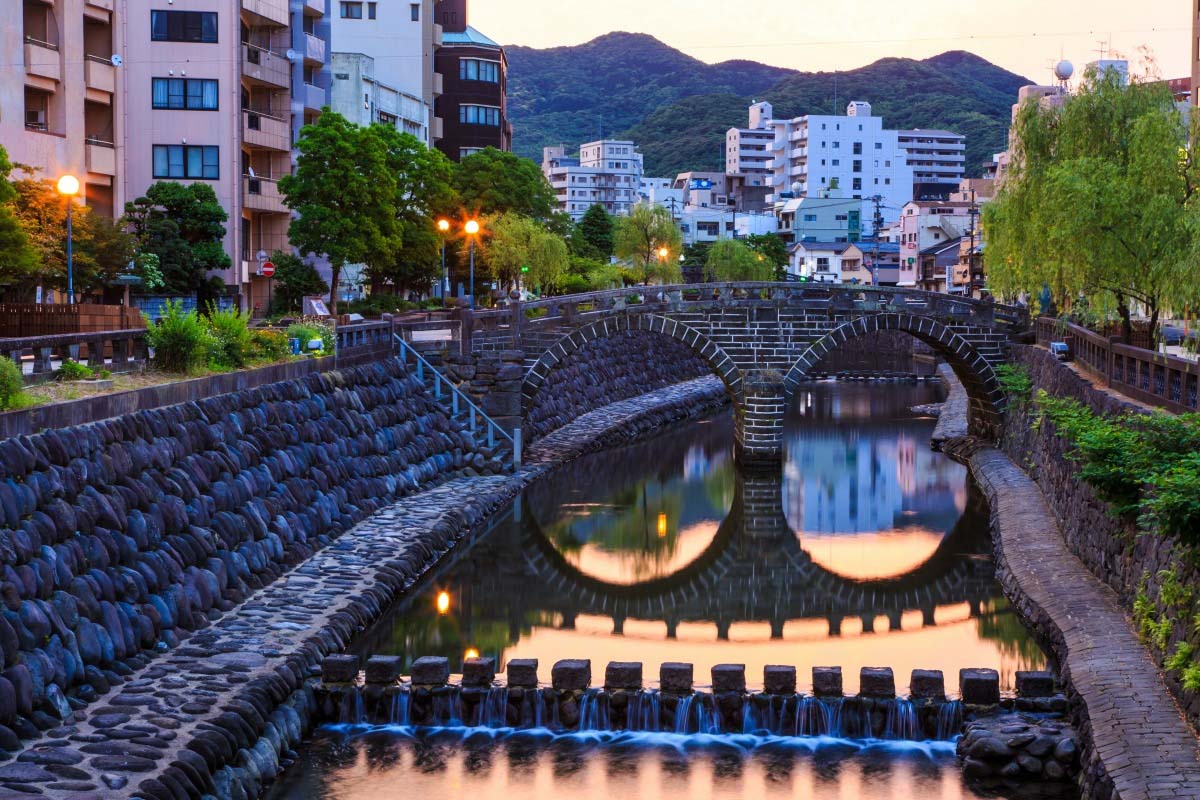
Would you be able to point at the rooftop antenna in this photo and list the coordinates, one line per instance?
(835, 99)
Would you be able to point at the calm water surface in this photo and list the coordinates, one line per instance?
(868, 549)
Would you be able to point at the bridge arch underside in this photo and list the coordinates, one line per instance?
(976, 373)
(576, 373)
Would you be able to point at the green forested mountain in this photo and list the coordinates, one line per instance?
(678, 108)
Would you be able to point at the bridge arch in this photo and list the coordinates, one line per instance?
(986, 398)
(558, 353)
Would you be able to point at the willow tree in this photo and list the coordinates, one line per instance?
(516, 245)
(730, 260)
(648, 240)
(1099, 198)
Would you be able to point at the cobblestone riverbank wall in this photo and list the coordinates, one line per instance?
(120, 537)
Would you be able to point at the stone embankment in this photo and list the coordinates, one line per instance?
(1135, 743)
(185, 513)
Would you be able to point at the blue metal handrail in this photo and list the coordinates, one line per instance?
(457, 397)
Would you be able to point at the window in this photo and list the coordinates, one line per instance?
(837, 162)
(352, 10)
(463, 152)
(415, 9)
(191, 94)
(858, 148)
(837, 145)
(857, 165)
(183, 26)
(479, 115)
(842, 217)
(197, 162)
(879, 145)
(857, 185)
(474, 69)
(371, 10)
(810, 217)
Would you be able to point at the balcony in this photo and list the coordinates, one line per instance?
(264, 67)
(437, 35)
(41, 61)
(438, 85)
(101, 157)
(264, 132)
(438, 129)
(272, 11)
(262, 195)
(314, 49)
(100, 77)
(314, 7)
(100, 10)
(313, 97)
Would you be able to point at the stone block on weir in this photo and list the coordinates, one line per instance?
(339, 668)
(827, 681)
(877, 682)
(675, 678)
(927, 684)
(979, 687)
(479, 671)
(384, 669)
(430, 671)
(623, 675)
(728, 678)
(1035, 684)
(571, 674)
(779, 679)
(522, 672)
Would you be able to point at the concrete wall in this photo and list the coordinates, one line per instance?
(121, 536)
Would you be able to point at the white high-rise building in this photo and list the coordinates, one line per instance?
(395, 43)
(809, 153)
(748, 150)
(608, 172)
(935, 156)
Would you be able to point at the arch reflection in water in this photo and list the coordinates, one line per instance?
(581, 572)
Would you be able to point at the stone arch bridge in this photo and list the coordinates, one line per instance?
(762, 339)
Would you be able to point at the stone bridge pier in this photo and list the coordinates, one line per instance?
(761, 339)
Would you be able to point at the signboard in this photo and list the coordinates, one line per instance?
(315, 307)
(267, 269)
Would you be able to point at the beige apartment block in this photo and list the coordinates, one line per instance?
(60, 108)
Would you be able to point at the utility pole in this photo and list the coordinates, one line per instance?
(973, 212)
(878, 222)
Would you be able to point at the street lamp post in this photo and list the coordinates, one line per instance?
(443, 225)
(68, 186)
(472, 229)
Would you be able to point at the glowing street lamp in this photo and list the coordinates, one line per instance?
(663, 253)
(472, 230)
(68, 187)
(443, 226)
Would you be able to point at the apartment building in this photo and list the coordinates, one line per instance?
(925, 225)
(827, 216)
(61, 109)
(748, 150)
(607, 172)
(383, 68)
(937, 157)
(473, 105)
(217, 92)
(865, 159)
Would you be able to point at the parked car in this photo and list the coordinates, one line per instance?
(1061, 351)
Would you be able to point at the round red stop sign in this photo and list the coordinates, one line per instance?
(267, 269)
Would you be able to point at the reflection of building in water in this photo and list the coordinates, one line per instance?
(700, 461)
(852, 480)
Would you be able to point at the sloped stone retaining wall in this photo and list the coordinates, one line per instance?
(120, 537)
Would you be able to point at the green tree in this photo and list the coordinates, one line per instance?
(549, 259)
(594, 233)
(344, 196)
(515, 242)
(493, 182)
(772, 248)
(294, 280)
(1100, 197)
(410, 259)
(18, 260)
(730, 260)
(641, 238)
(184, 226)
(101, 249)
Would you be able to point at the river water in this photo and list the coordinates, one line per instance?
(867, 549)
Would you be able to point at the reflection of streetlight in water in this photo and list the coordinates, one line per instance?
(471, 653)
(662, 524)
(443, 601)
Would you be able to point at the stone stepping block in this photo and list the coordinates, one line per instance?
(339, 668)
(779, 679)
(979, 687)
(384, 669)
(571, 674)
(729, 678)
(479, 672)
(522, 673)
(876, 682)
(1035, 684)
(623, 675)
(675, 677)
(927, 684)
(827, 681)
(430, 671)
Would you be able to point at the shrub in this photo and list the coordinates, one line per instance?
(271, 345)
(1015, 382)
(73, 371)
(575, 284)
(11, 383)
(231, 336)
(180, 340)
(307, 331)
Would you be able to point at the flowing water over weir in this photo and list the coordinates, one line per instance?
(866, 548)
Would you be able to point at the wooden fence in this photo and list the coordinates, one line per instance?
(1161, 380)
(20, 320)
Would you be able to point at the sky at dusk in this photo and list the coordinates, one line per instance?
(1024, 36)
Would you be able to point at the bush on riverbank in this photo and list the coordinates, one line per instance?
(1146, 466)
(11, 384)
